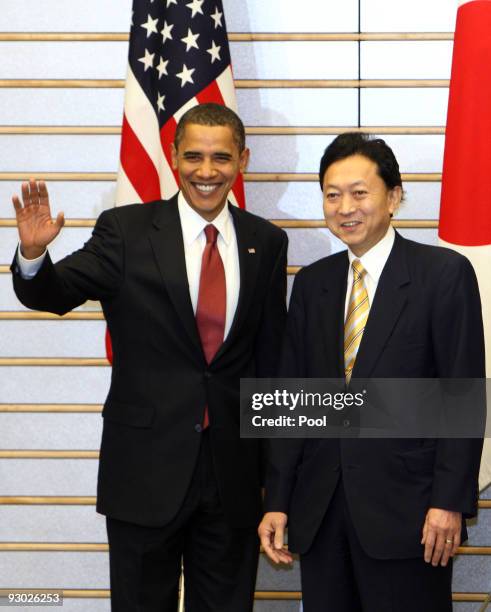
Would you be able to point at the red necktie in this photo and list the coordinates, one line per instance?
(212, 300)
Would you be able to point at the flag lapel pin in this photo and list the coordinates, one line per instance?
(251, 251)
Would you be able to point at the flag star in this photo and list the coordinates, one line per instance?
(147, 61)
(150, 26)
(169, 2)
(166, 32)
(160, 102)
(162, 67)
(190, 40)
(217, 18)
(195, 6)
(214, 52)
(186, 75)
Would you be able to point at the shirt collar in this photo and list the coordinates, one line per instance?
(375, 259)
(193, 224)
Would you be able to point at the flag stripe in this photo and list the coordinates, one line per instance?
(141, 116)
(211, 93)
(226, 84)
(126, 189)
(169, 176)
(185, 107)
(138, 166)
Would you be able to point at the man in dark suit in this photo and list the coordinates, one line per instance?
(376, 521)
(193, 291)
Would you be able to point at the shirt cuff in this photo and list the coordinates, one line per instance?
(28, 268)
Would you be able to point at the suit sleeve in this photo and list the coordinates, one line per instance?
(286, 454)
(272, 326)
(458, 341)
(94, 272)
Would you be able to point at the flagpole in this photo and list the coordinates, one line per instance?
(180, 606)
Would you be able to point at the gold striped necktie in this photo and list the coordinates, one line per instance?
(356, 318)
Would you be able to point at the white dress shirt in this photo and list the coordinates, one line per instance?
(193, 226)
(373, 261)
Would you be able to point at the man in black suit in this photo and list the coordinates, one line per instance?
(376, 521)
(193, 291)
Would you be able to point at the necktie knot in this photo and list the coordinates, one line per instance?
(211, 234)
(358, 270)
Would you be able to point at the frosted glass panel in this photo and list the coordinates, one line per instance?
(35, 154)
(289, 16)
(52, 524)
(414, 16)
(52, 339)
(27, 385)
(404, 106)
(76, 16)
(406, 60)
(51, 431)
(298, 107)
(63, 60)
(61, 106)
(295, 60)
(56, 570)
(48, 477)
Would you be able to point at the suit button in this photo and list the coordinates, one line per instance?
(207, 374)
(198, 428)
(346, 423)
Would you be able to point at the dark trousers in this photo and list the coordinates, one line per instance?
(338, 576)
(220, 563)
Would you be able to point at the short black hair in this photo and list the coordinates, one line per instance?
(375, 149)
(212, 114)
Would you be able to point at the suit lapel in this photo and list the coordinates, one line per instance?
(249, 258)
(331, 315)
(390, 300)
(168, 247)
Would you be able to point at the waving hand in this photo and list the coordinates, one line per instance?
(34, 222)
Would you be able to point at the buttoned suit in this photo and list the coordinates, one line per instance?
(160, 382)
(425, 322)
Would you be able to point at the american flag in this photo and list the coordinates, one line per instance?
(178, 57)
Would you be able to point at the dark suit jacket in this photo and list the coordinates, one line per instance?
(134, 264)
(425, 322)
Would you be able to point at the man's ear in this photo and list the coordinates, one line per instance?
(395, 197)
(173, 153)
(244, 160)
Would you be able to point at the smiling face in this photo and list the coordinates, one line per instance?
(208, 161)
(357, 204)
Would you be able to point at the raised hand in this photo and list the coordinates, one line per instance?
(35, 225)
